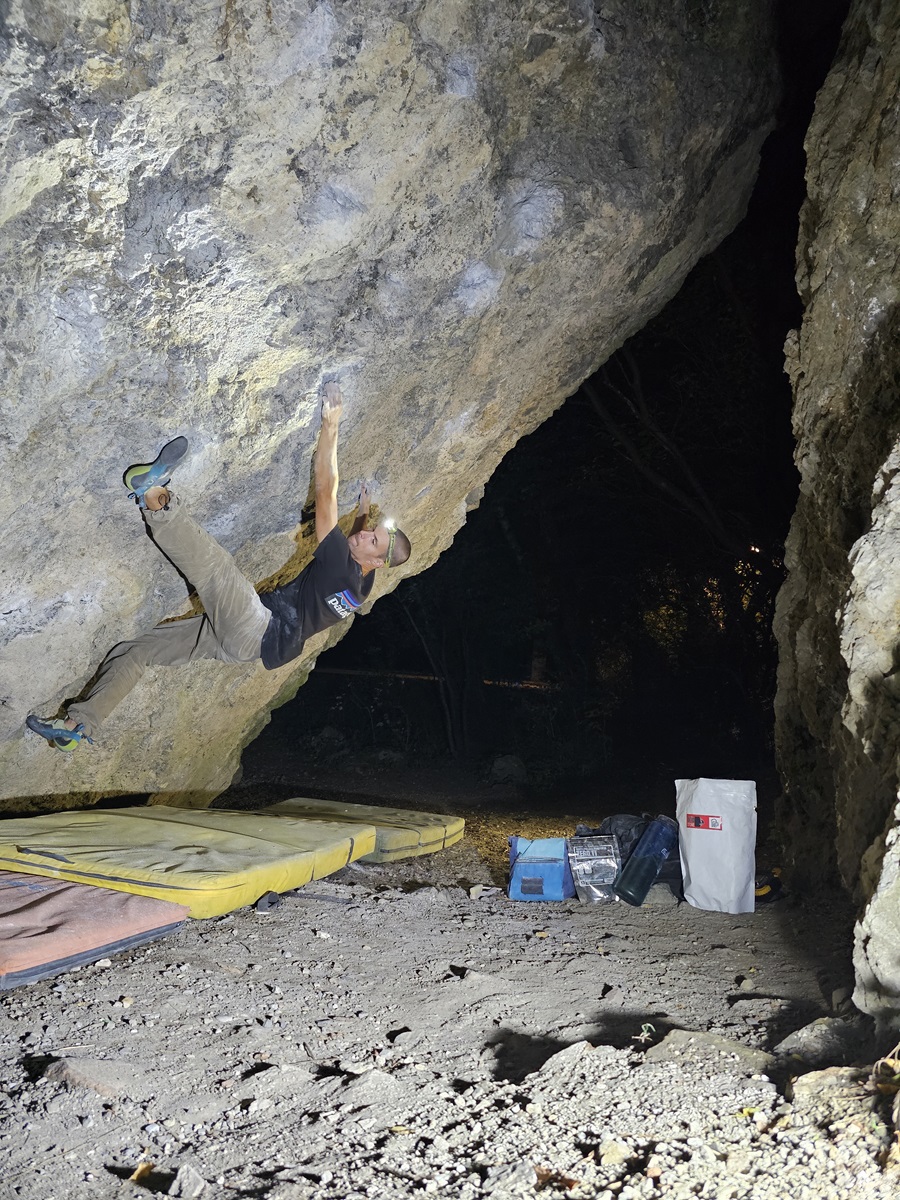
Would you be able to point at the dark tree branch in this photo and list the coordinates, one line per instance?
(439, 675)
(695, 501)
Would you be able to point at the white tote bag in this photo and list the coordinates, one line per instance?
(717, 842)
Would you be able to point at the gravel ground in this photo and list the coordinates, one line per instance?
(406, 1029)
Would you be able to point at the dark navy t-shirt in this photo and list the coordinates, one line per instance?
(331, 588)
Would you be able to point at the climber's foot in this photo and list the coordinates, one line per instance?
(63, 733)
(142, 477)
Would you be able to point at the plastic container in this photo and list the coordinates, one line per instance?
(644, 863)
(595, 864)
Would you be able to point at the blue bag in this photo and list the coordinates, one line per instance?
(539, 869)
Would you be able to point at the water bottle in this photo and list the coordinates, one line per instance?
(645, 861)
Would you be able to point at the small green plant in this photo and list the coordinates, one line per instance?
(646, 1034)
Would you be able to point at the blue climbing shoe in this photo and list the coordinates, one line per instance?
(143, 476)
(56, 733)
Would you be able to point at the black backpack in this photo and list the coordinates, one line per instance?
(628, 830)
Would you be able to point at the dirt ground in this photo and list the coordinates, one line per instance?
(396, 1030)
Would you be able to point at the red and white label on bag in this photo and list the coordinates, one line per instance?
(702, 821)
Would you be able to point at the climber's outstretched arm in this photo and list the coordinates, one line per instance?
(326, 468)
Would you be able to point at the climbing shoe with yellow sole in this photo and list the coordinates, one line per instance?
(56, 733)
(143, 476)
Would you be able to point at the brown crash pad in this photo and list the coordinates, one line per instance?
(50, 925)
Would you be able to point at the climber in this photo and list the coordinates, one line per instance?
(237, 625)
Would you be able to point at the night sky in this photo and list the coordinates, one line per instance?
(624, 561)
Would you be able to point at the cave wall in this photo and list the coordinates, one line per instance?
(838, 702)
(459, 209)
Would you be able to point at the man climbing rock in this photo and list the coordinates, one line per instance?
(237, 625)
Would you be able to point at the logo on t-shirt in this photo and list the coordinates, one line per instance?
(343, 604)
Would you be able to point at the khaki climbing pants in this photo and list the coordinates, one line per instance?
(230, 629)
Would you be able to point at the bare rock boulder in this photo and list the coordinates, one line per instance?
(838, 702)
(459, 209)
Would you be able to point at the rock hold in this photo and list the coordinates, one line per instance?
(98, 1075)
(680, 1044)
(827, 1041)
(188, 1183)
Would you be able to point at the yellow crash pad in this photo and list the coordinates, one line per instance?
(400, 832)
(212, 861)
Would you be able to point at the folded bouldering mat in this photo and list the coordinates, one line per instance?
(399, 832)
(50, 925)
(211, 860)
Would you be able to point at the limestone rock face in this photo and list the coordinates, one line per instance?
(458, 208)
(838, 717)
